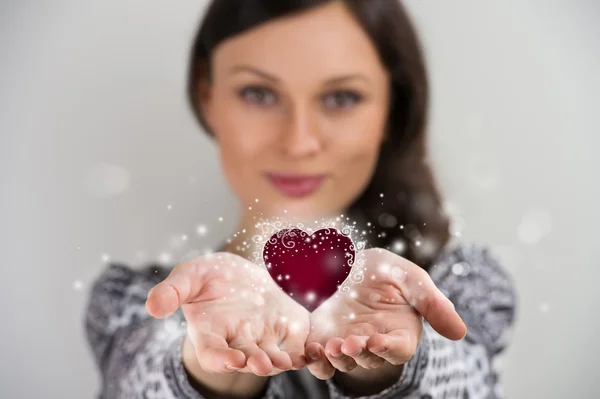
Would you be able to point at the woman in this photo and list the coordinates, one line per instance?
(318, 108)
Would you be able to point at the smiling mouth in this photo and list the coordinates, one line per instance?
(295, 185)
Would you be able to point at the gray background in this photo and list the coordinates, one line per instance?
(96, 141)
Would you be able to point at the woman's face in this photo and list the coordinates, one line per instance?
(304, 95)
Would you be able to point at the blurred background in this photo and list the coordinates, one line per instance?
(101, 160)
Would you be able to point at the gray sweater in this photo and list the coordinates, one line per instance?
(139, 356)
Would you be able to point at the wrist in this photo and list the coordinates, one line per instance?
(361, 381)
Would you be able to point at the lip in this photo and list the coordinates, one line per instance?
(295, 185)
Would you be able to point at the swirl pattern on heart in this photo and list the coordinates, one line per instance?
(309, 266)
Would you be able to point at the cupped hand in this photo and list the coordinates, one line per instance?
(238, 318)
(380, 320)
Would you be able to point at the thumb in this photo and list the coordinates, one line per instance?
(183, 284)
(420, 291)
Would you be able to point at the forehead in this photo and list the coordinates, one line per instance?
(314, 44)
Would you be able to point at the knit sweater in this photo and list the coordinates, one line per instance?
(139, 356)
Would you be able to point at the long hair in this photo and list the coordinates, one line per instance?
(401, 205)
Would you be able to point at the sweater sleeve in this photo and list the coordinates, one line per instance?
(484, 296)
(137, 355)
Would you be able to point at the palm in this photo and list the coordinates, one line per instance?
(373, 307)
(240, 304)
(380, 320)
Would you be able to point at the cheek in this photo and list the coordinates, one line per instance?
(241, 149)
(356, 161)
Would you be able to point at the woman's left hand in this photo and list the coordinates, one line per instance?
(380, 321)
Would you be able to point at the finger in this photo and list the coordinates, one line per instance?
(181, 285)
(295, 350)
(355, 346)
(279, 358)
(215, 356)
(420, 291)
(334, 354)
(395, 348)
(317, 362)
(257, 360)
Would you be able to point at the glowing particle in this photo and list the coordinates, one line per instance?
(398, 246)
(164, 257)
(201, 229)
(384, 268)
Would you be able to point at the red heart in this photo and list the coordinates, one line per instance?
(309, 267)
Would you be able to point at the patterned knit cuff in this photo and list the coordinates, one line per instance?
(409, 380)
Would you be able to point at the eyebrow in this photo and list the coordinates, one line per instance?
(332, 81)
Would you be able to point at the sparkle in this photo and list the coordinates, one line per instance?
(184, 237)
(398, 246)
(384, 268)
(77, 285)
(220, 218)
(105, 258)
(169, 207)
(295, 326)
(201, 230)
(164, 257)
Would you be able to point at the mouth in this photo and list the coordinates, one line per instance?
(295, 185)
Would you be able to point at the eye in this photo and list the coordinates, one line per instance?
(257, 94)
(342, 99)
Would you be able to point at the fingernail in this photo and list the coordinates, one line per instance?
(230, 367)
(336, 355)
(313, 355)
(355, 353)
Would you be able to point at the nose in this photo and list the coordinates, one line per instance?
(301, 137)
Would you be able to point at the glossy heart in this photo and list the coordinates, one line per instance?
(309, 266)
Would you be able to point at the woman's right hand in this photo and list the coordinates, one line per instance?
(238, 318)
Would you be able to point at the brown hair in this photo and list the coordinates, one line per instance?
(401, 202)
